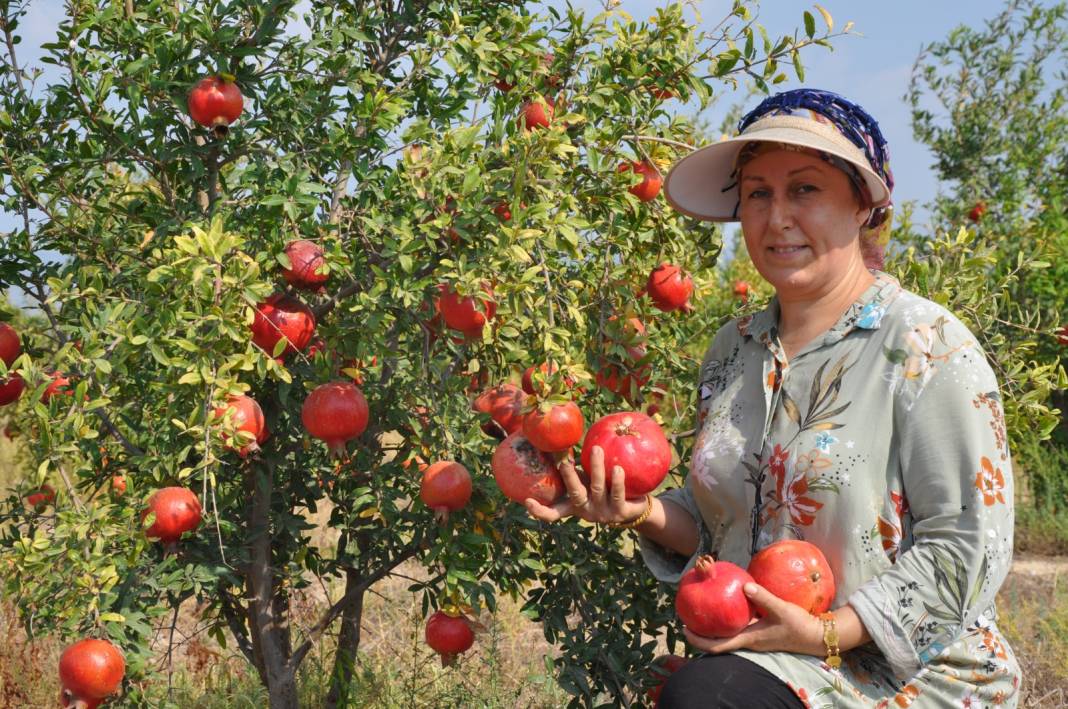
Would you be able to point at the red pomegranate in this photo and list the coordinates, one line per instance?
(446, 487)
(536, 114)
(662, 668)
(59, 385)
(977, 211)
(335, 412)
(1062, 336)
(10, 344)
(522, 471)
(741, 290)
(530, 386)
(90, 670)
(215, 102)
(176, 509)
(118, 485)
(670, 288)
(248, 417)
(554, 428)
(449, 635)
(649, 187)
(636, 443)
(503, 86)
(504, 404)
(616, 378)
(11, 389)
(463, 313)
(305, 265)
(795, 571)
(41, 497)
(282, 317)
(503, 210)
(710, 600)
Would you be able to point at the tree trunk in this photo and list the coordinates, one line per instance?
(348, 642)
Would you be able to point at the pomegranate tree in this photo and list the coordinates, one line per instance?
(649, 187)
(553, 428)
(282, 317)
(175, 511)
(248, 417)
(10, 344)
(710, 600)
(446, 487)
(335, 412)
(522, 471)
(504, 404)
(464, 313)
(795, 571)
(449, 635)
(90, 670)
(307, 267)
(634, 442)
(215, 102)
(670, 288)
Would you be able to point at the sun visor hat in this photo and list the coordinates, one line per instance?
(703, 184)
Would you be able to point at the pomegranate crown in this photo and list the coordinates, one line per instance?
(706, 566)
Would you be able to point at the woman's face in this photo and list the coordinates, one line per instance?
(801, 221)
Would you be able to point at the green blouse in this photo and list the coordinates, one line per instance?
(883, 443)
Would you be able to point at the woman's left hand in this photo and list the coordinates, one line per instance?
(785, 627)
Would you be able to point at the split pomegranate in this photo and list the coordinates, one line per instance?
(90, 670)
(215, 102)
(536, 114)
(41, 497)
(649, 187)
(10, 344)
(795, 571)
(554, 428)
(449, 635)
(446, 487)
(305, 264)
(522, 471)
(504, 404)
(636, 443)
(177, 511)
(662, 668)
(463, 313)
(282, 317)
(335, 412)
(248, 417)
(59, 385)
(11, 388)
(670, 288)
(710, 600)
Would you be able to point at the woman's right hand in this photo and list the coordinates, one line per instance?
(595, 504)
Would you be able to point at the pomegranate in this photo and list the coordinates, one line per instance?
(449, 635)
(504, 404)
(503, 211)
(670, 288)
(463, 313)
(1062, 336)
(59, 385)
(636, 443)
(554, 428)
(11, 389)
(649, 187)
(614, 377)
(522, 471)
(215, 102)
(305, 265)
(282, 317)
(446, 487)
(248, 417)
(977, 211)
(530, 386)
(335, 412)
(536, 114)
(503, 86)
(795, 571)
(710, 600)
(176, 510)
(90, 670)
(118, 485)
(10, 344)
(741, 290)
(41, 497)
(421, 464)
(662, 668)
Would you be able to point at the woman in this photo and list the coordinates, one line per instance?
(850, 413)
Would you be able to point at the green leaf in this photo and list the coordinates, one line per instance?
(810, 24)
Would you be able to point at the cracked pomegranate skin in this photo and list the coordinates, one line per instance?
(522, 471)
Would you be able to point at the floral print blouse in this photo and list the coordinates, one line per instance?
(883, 443)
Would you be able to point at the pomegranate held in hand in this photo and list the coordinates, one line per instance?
(710, 600)
(446, 487)
(335, 412)
(305, 262)
(463, 313)
(795, 571)
(522, 471)
(636, 443)
(282, 317)
(11, 389)
(649, 187)
(10, 344)
(215, 102)
(662, 668)
(248, 417)
(90, 670)
(504, 404)
(177, 510)
(554, 428)
(449, 635)
(669, 287)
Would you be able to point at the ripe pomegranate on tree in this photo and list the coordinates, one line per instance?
(449, 635)
(670, 288)
(306, 265)
(216, 102)
(710, 600)
(522, 471)
(795, 571)
(636, 443)
(59, 385)
(536, 113)
(10, 344)
(41, 497)
(649, 187)
(553, 428)
(1062, 336)
(504, 404)
(118, 485)
(611, 376)
(176, 511)
(248, 417)
(11, 388)
(445, 488)
(741, 290)
(335, 412)
(90, 670)
(463, 313)
(977, 211)
(662, 668)
(282, 317)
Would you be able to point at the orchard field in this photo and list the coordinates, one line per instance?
(287, 314)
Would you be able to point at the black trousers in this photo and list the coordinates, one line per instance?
(726, 682)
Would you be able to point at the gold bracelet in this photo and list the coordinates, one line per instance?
(637, 520)
(830, 639)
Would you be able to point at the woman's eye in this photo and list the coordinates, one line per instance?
(758, 194)
(807, 188)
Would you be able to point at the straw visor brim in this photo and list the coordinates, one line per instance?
(696, 184)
